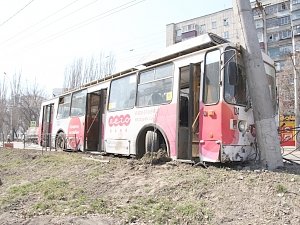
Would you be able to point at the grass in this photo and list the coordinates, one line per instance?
(53, 196)
(162, 211)
(62, 192)
(281, 189)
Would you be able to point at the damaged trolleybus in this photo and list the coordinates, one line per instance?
(191, 101)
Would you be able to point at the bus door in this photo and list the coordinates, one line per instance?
(188, 127)
(47, 121)
(94, 126)
(210, 134)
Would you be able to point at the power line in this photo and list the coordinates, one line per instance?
(46, 18)
(101, 16)
(90, 20)
(16, 13)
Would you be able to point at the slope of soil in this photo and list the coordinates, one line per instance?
(73, 188)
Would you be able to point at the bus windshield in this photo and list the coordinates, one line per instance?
(234, 90)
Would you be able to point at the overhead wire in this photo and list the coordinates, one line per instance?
(83, 23)
(46, 18)
(93, 19)
(90, 20)
(16, 13)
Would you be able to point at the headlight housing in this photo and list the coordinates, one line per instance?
(242, 126)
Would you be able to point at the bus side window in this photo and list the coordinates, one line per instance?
(156, 98)
(64, 107)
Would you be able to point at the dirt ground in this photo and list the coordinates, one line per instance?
(73, 188)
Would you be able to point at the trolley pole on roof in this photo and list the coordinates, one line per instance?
(264, 115)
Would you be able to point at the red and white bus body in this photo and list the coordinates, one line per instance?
(191, 101)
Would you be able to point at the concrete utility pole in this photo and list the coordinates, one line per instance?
(264, 115)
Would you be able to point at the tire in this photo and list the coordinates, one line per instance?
(151, 142)
(60, 143)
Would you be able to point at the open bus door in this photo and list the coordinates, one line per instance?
(46, 129)
(189, 94)
(94, 121)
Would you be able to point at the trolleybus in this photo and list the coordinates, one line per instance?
(190, 100)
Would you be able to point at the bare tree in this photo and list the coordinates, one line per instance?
(11, 116)
(20, 105)
(3, 107)
(82, 71)
(73, 74)
(286, 87)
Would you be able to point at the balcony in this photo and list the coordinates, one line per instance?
(189, 34)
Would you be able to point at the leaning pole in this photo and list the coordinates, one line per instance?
(264, 115)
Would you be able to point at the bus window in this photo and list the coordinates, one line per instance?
(64, 107)
(155, 86)
(234, 92)
(122, 93)
(211, 77)
(78, 103)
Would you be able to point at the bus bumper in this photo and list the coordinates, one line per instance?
(238, 153)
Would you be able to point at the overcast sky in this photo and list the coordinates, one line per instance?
(41, 37)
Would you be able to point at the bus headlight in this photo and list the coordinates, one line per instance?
(242, 125)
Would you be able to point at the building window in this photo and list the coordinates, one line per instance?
(226, 35)
(285, 50)
(213, 24)
(188, 28)
(282, 6)
(285, 34)
(271, 9)
(272, 23)
(284, 20)
(225, 22)
(260, 36)
(259, 24)
(256, 12)
(296, 2)
(178, 32)
(202, 29)
(273, 37)
(296, 15)
(297, 30)
(273, 52)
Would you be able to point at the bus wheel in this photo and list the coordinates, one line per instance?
(60, 143)
(151, 142)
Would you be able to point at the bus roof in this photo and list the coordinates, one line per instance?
(185, 47)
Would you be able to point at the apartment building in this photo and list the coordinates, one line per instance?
(278, 30)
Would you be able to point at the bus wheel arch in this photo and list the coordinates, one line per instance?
(152, 137)
(60, 140)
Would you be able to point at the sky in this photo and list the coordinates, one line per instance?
(40, 38)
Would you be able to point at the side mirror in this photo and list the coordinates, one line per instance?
(232, 71)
